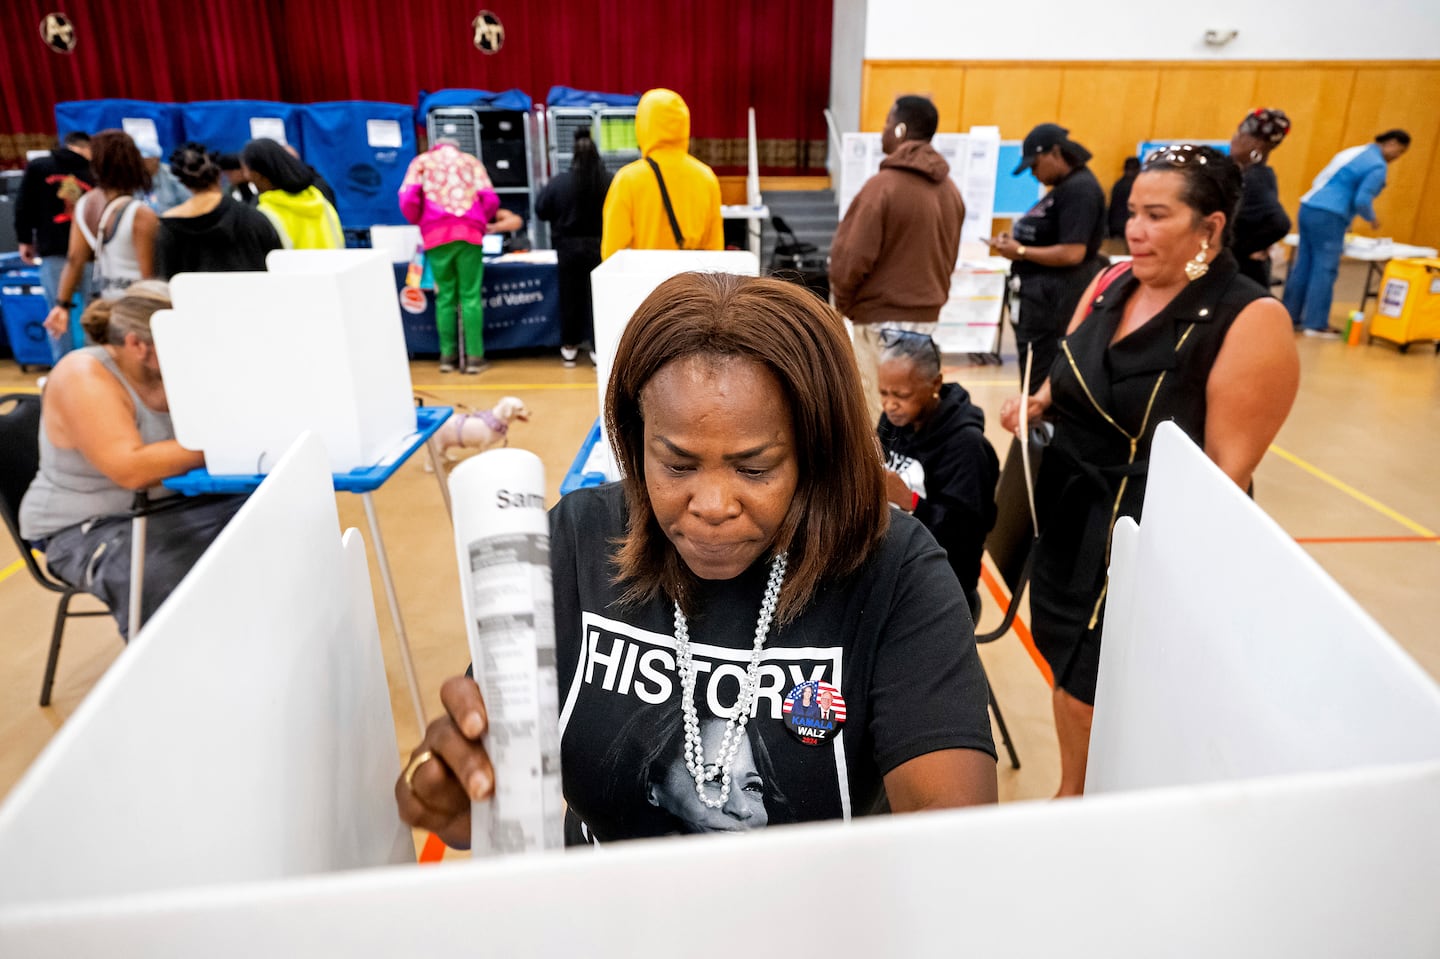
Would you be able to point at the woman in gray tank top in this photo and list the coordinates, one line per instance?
(104, 433)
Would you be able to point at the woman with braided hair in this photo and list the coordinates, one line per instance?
(210, 232)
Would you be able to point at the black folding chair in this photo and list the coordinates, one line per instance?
(1009, 545)
(19, 462)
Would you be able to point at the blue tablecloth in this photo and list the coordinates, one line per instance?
(522, 310)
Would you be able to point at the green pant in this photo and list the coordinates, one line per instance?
(459, 269)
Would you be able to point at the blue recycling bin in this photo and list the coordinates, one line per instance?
(225, 126)
(133, 116)
(363, 149)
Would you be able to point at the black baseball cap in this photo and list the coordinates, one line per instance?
(1045, 137)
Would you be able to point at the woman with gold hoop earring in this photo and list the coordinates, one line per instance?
(1177, 334)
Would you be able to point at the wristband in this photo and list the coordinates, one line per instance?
(68, 304)
(1020, 251)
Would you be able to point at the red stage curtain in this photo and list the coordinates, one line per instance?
(722, 57)
(138, 49)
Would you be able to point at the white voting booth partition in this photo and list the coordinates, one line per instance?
(320, 330)
(1335, 863)
(1266, 868)
(618, 287)
(245, 734)
(620, 284)
(1230, 654)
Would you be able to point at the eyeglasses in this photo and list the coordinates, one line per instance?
(892, 337)
(1178, 153)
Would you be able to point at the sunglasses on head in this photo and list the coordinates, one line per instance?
(890, 337)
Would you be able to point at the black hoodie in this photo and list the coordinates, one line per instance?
(954, 468)
(230, 238)
(48, 192)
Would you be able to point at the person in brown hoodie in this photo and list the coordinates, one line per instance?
(892, 256)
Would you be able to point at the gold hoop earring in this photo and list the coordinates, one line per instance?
(1196, 268)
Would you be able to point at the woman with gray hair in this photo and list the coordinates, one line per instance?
(938, 464)
(105, 433)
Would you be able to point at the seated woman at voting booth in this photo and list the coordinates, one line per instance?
(289, 196)
(751, 525)
(1177, 334)
(105, 432)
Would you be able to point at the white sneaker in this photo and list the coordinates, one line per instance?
(1329, 333)
(568, 355)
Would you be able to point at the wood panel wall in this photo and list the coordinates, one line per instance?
(1110, 107)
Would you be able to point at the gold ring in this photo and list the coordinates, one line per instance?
(416, 761)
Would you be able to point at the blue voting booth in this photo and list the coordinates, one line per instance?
(141, 119)
(363, 148)
(225, 126)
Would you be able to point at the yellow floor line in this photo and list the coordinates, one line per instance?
(12, 569)
(1354, 493)
(502, 386)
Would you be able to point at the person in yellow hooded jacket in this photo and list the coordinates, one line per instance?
(298, 210)
(635, 217)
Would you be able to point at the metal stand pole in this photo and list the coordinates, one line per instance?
(405, 658)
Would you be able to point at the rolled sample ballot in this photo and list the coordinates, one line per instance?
(502, 545)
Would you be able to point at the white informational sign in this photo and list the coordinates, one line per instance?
(1392, 301)
(982, 157)
(383, 134)
(972, 157)
(859, 161)
(142, 131)
(970, 319)
(268, 128)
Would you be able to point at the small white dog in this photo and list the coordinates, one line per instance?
(484, 429)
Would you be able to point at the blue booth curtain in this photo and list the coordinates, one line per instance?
(363, 149)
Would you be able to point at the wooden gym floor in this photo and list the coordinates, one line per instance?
(1352, 476)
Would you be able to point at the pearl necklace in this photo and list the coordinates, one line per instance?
(735, 726)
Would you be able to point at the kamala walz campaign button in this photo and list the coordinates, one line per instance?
(814, 712)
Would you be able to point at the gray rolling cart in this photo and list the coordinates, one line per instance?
(505, 141)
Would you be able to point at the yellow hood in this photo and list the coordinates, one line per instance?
(662, 121)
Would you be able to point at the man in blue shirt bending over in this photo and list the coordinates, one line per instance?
(1347, 187)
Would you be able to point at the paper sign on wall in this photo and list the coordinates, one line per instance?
(142, 131)
(383, 134)
(268, 128)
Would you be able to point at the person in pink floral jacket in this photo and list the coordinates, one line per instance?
(448, 194)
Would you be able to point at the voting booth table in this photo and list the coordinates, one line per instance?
(1264, 775)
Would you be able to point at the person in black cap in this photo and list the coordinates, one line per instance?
(1055, 246)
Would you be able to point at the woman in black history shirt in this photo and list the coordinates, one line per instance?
(753, 484)
(1055, 246)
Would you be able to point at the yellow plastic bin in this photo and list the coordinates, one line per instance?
(1409, 308)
